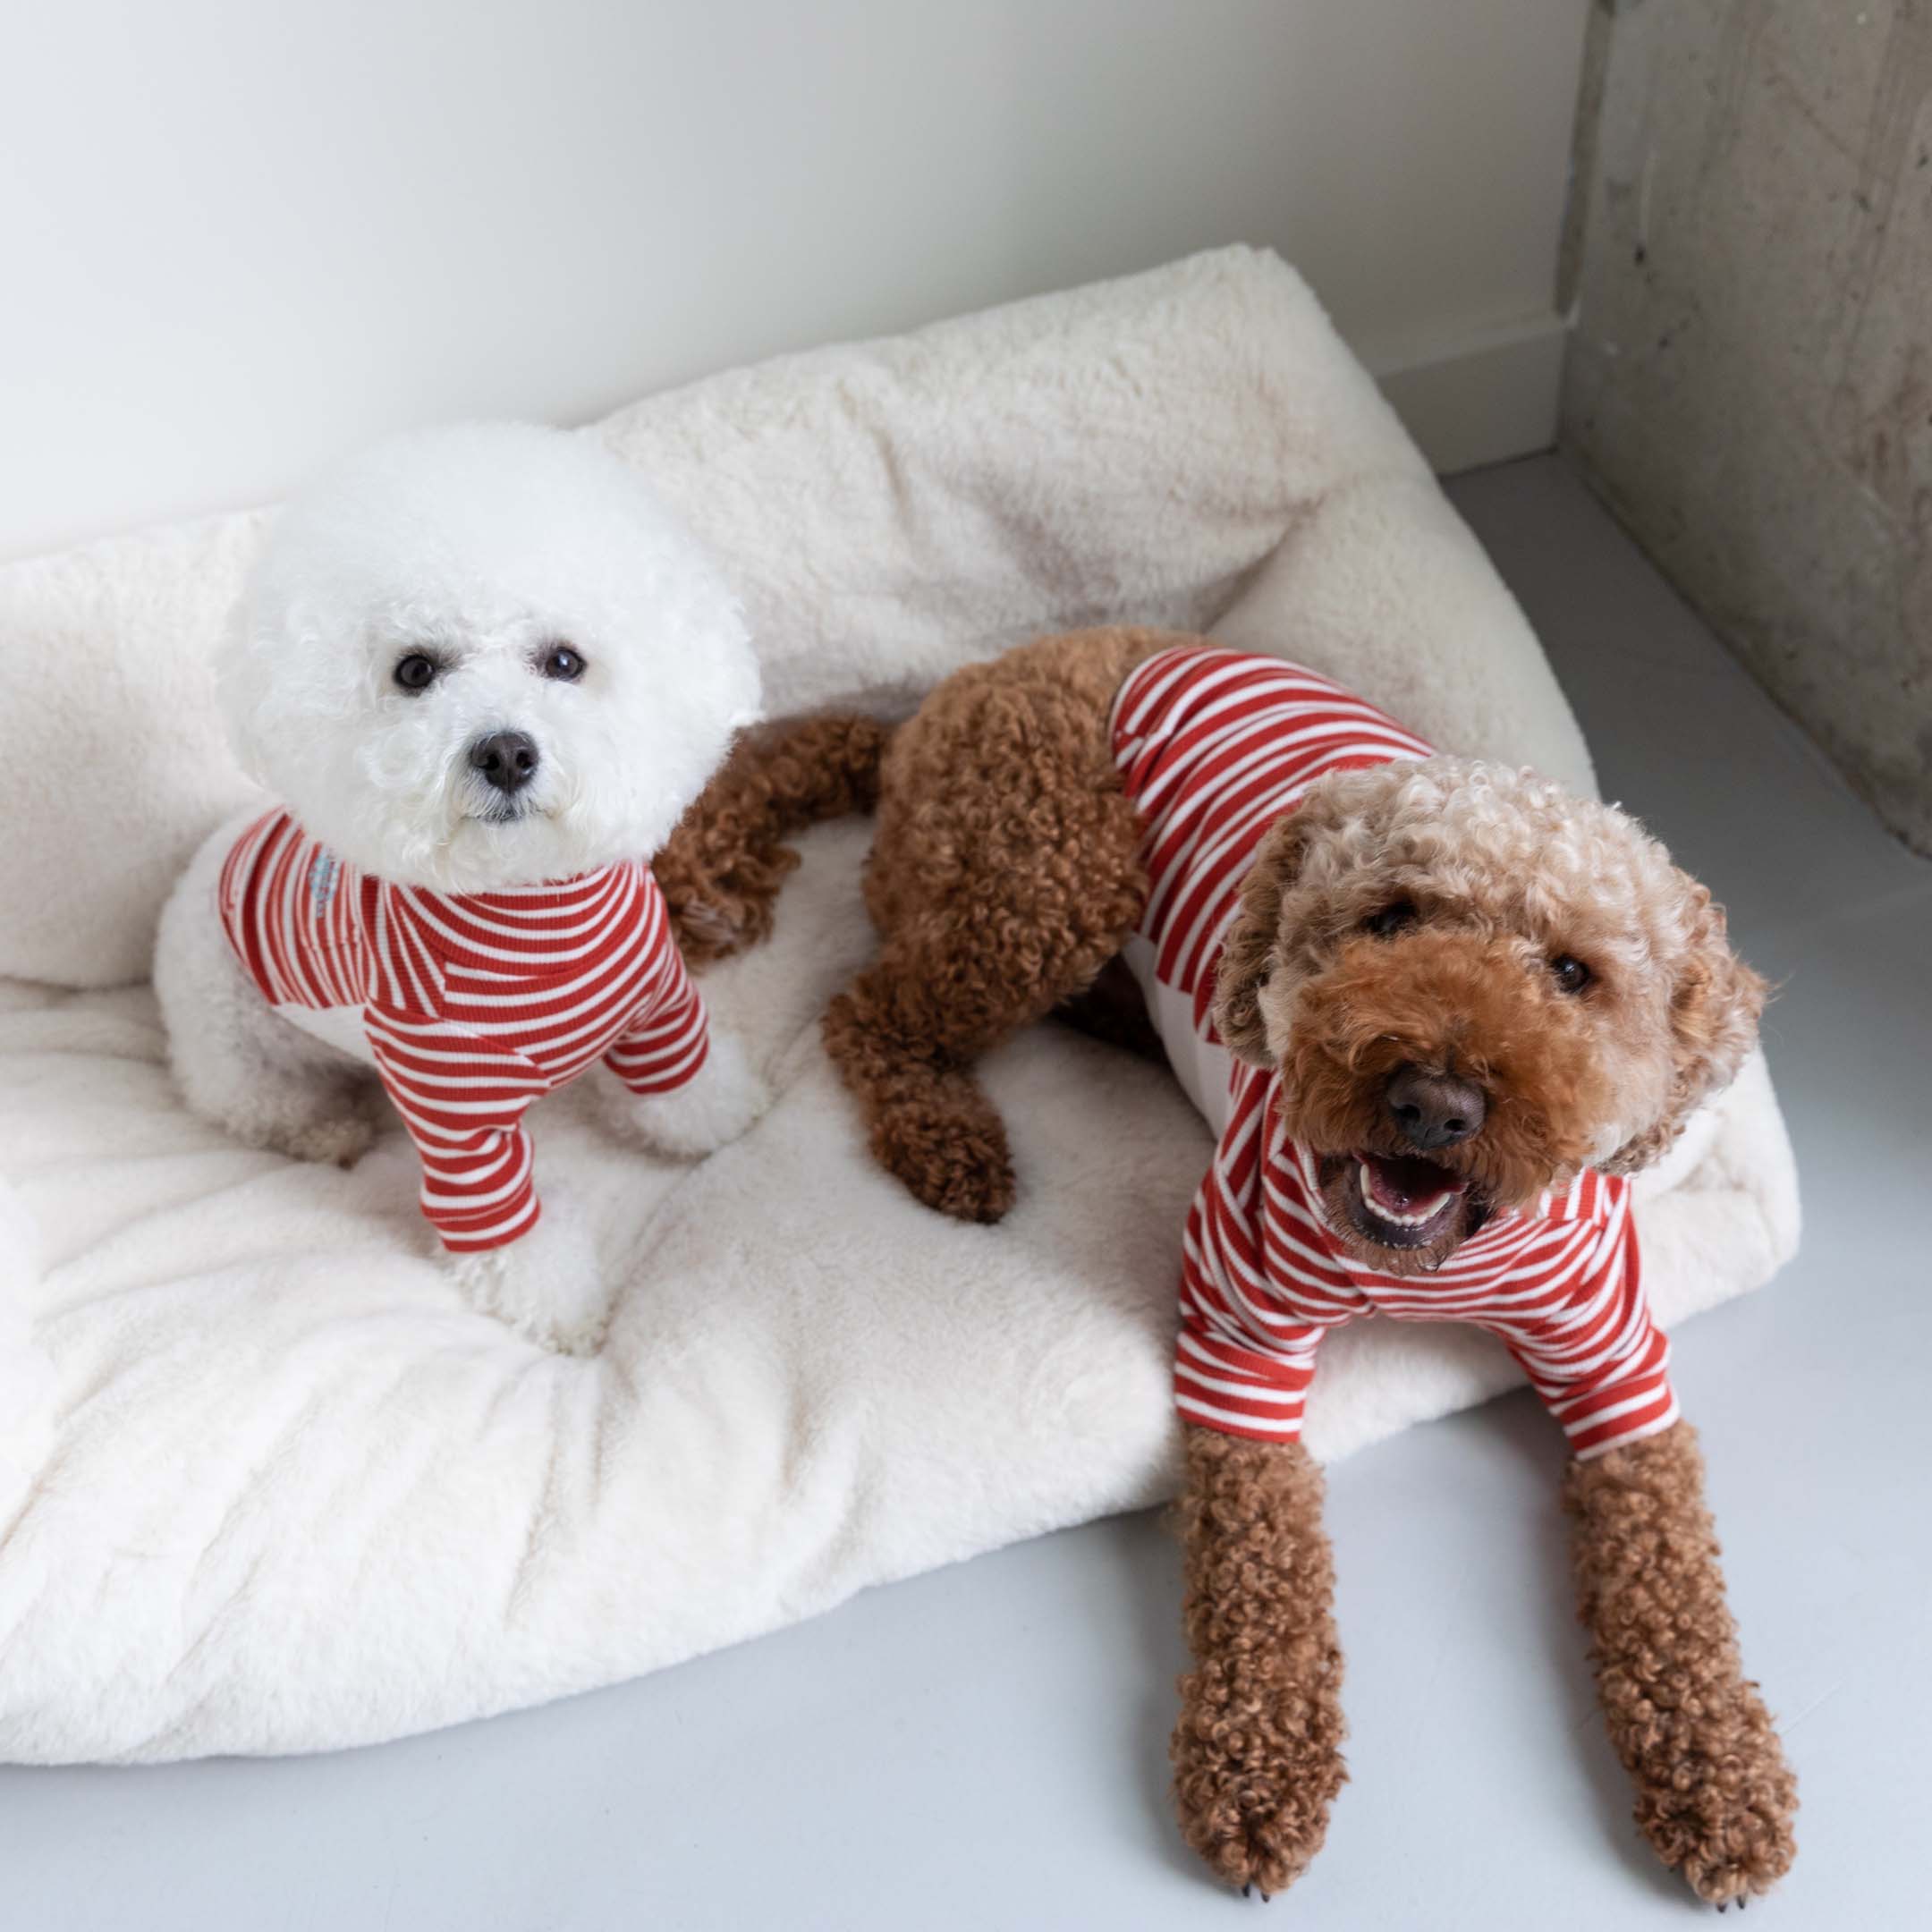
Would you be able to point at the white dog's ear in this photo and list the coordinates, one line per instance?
(1251, 951)
(1714, 1004)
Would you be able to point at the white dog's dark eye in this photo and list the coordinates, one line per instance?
(1569, 973)
(1391, 918)
(415, 673)
(561, 662)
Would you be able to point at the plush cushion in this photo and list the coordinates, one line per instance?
(267, 1483)
(887, 510)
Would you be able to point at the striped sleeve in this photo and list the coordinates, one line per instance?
(1589, 1348)
(462, 1098)
(1245, 1354)
(1226, 1382)
(665, 1045)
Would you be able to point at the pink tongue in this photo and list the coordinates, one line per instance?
(1408, 1186)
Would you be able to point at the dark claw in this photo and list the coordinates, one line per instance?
(1247, 1891)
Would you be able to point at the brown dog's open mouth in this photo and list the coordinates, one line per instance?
(1405, 1201)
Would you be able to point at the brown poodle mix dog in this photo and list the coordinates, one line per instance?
(1436, 1012)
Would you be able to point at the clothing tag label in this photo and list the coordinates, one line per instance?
(324, 876)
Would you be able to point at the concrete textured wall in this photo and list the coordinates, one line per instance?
(1749, 381)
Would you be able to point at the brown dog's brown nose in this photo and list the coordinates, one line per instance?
(1434, 1110)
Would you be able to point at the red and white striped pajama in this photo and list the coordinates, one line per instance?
(470, 1006)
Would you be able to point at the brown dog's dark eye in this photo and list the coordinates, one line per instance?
(562, 663)
(1391, 918)
(415, 673)
(1569, 973)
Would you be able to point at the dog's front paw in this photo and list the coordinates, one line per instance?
(1725, 1824)
(545, 1284)
(711, 1110)
(1715, 1795)
(1251, 1792)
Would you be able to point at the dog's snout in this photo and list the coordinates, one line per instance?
(507, 759)
(1434, 1110)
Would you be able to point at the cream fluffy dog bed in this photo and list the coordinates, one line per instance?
(267, 1484)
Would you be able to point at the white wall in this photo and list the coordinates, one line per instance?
(235, 237)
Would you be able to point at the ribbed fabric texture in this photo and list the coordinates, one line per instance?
(471, 1006)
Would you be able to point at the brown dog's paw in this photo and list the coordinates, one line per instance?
(712, 925)
(1727, 1827)
(948, 1147)
(1253, 1803)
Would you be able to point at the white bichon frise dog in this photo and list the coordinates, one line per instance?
(484, 673)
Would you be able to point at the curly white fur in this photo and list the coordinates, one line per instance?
(481, 546)
(546, 1284)
(484, 547)
(700, 1117)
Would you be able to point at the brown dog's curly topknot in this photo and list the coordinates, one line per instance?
(722, 869)
(1714, 1796)
(1257, 1750)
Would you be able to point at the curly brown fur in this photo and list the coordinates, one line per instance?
(1412, 915)
(1716, 1000)
(1440, 1000)
(1257, 1749)
(721, 871)
(1714, 1796)
(1423, 918)
(1004, 874)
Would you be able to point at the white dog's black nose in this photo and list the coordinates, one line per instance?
(506, 759)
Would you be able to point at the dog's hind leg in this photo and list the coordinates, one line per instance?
(928, 1121)
(1004, 875)
(237, 1062)
(905, 1037)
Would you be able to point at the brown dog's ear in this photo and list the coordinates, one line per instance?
(1250, 953)
(1714, 1023)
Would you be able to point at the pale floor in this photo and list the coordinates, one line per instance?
(986, 1746)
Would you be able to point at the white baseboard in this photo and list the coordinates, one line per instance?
(1489, 397)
